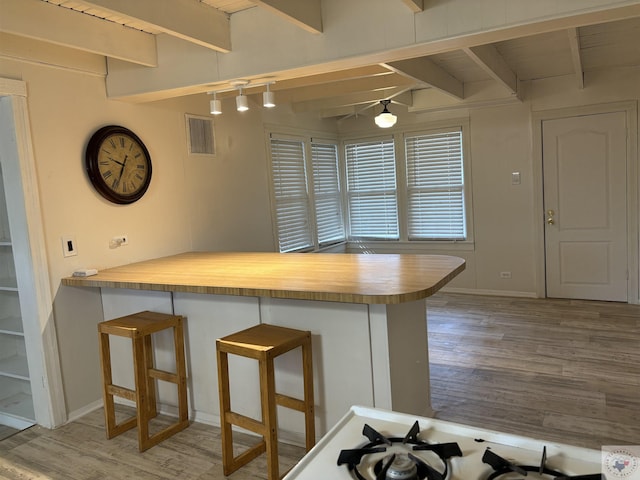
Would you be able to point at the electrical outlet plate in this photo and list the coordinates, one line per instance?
(69, 246)
(119, 241)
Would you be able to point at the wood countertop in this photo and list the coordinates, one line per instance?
(333, 277)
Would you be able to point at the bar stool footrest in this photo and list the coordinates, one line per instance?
(122, 427)
(245, 422)
(164, 434)
(290, 402)
(244, 458)
(163, 375)
(121, 392)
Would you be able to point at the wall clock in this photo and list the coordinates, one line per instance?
(118, 164)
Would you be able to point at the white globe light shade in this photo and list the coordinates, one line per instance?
(386, 120)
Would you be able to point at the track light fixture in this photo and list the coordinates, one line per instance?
(215, 106)
(268, 98)
(385, 119)
(242, 103)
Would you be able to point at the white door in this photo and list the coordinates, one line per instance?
(585, 204)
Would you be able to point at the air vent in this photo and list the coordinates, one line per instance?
(200, 135)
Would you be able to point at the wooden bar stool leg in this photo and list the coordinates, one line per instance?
(309, 414)
(140, 374)
(225, 408)
(181, 371)
(107, 380)
(151, 382)
(269, 416)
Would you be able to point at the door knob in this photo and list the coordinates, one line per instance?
(550, 220)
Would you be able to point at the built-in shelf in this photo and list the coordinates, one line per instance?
(14, 366)
(11, 326)
(16, 410)
(16, 402)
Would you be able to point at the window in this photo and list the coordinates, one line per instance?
(306, 193)
(413, 187)
(435, 186)
(327, 196)
(291, 195)
(371, 190)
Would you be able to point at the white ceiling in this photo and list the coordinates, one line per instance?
(576, 52)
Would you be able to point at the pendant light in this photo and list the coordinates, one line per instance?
(385, 119)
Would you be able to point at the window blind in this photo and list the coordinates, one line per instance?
(435, 186)
(291, 195)
(326, 188)
(371, 190)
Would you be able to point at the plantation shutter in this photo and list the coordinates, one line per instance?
(435, 186)
(371, 190)
(290, 195)
(326, 188)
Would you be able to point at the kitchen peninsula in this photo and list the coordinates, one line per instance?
(366, 313)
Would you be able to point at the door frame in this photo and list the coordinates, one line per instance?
(630, 109)
(38, 322)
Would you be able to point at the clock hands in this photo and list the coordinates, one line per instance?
(122, 168)
(116, 181)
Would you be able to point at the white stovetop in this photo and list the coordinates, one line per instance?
(321, 461)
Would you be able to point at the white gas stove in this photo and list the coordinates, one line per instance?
(375, 444)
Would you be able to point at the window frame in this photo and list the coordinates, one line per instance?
(307, 139)
(348, 196)
(404, 243)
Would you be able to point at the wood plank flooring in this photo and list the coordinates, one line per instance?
(560, 370)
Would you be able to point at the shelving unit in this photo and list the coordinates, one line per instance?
(16, 402)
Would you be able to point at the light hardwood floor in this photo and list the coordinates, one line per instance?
(560, 370)
(553, 369)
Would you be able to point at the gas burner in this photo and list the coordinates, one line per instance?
(392, 458)
(503, 468)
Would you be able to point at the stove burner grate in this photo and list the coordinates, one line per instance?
(401, 465)
(503, 467)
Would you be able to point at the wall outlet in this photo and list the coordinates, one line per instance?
(505, 274)
(119, 241)
(69, 246)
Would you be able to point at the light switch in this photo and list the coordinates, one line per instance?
(515, 178)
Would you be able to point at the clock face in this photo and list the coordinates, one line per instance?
(118, 164)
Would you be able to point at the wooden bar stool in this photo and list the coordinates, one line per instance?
(263, 343)
(139, 327)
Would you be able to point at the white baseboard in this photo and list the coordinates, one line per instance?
(81, 412)
(492, 293)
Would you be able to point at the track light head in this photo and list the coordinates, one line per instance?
(268, 98)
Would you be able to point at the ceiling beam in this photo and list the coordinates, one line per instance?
(416, 6)
(345, 87)
(425, 71)
(346, 100)
(488, 58)
(191, 21)
(62, 26)
(322, 78)
(574, 43)
(306, 14)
